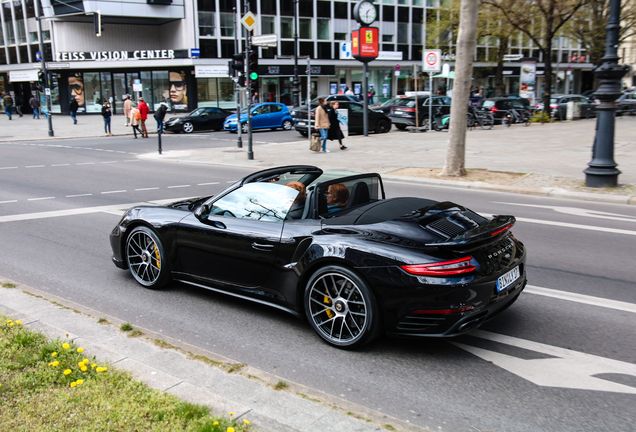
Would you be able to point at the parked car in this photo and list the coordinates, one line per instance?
(207, 118)
(386, 106)
(405, 266)
(499, 107)
(378, 121)
(626, 104)
(525, 101)
(403, 115)
(267, 115)
(559, 106)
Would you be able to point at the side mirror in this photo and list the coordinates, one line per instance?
(202, 212)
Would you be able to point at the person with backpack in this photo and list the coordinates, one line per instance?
(160, 114)
(8, 104)
(73, 109)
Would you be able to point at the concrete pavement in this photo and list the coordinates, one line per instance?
(550, 151)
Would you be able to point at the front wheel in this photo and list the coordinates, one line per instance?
(188, 127)
(525, 118)
(382, 126)
(287, 125)
(341, 308)
(146, 258)
(487, 121)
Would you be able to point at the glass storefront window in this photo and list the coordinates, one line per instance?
(227, 24)
(160, 87)
(55, 95)
(216, 92)
(87, 93)
(107, 88)
(268, 24)
(287, 27)
(146, 85)
(206, 23)
(323, 29)
(403, 33)
(304, 28)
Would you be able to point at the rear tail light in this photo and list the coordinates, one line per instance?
(445, 268)
(507, 227)
(494, 109)
(444, 311)
(554, 106)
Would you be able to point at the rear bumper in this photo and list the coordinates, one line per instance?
(402, 121)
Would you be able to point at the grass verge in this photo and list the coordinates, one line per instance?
(51, 385)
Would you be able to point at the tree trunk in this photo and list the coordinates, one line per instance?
(500, 86)
(547, 74)
(466, 41)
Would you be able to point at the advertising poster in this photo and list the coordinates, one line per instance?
(177, 92)
(357, 88)
(385, 90)
(333, 88)
(528, 80)
(77, 92)
(343, 119)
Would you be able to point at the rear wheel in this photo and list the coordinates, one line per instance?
(188, 127)
(287, 125)
(146, 258)
(487, 121)
(525, 118)
(341, 308)
(244, 127)
(382, 126)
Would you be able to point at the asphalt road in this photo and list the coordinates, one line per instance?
(566, 364)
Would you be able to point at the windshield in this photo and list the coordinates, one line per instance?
(196, 112)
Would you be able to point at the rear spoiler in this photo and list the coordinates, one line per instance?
(495, 228)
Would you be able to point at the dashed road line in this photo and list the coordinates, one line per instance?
(85, 163)
(113, 192)
(146, 189)
(34, 166)
(109, 162)
(39, 199)
(178, 186)
(56, 165)
(207, 184)
(78, 195)
(10, 201)
(9, 168)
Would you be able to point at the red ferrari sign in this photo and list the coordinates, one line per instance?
(364, 44)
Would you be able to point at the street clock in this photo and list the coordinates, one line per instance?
(365, 12)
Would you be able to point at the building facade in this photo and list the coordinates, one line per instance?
(178, 51)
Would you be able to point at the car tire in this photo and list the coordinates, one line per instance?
(400, 127)
(188, 127)
(146, 258)
(244, 128)
(288, 125)
(382, 126)
(341, 308)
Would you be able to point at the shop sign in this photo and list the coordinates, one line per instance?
(115, 55)
(364, 44)
(288, 70)
(211, 71)
(390, 55)
(24, 75)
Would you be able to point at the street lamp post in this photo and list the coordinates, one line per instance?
(602, 171)
(296, 83)
(47, 79)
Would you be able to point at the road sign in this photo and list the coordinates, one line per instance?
(265, 40)
(397, 67)
(249, 21)
(195, 52)
(432, 61)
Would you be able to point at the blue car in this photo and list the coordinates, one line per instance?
(264, 116)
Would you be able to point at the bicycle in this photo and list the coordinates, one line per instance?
(516, 116)
(480, 117)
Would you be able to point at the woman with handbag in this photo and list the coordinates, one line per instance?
(335, 133)
(322, 122)
(135, 118)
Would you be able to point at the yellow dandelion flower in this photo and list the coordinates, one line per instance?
(100, 369)
(66, 346)
(18, 322)
(79, 382)
(54, 354)
(216, 423)
(67, 371)
(83, 368)
(73, 384)
(11, 324)
(80, 364)
(231, 413)
(50, 364)
(79, 350)
(85, 361)
(93, 365)
(230, 429)
(56, 363)
(246, 421)
(9, 321)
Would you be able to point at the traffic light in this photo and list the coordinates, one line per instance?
(253, 66)
(237, 68)
(97, 23)
(41, 82)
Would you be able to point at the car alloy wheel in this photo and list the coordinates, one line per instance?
(244, 127)
(341, 308)
(188, 127)
(287, 125)
(146, 258)
(382, 126)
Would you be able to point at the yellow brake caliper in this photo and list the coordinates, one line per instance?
(328, 311)
(157, 256)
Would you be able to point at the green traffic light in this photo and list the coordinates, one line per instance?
(253, 76)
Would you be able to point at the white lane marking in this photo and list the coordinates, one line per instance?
(178, 186)
(34, 166)
(59, 165)
(78, 195)
(112, 192)
(38, 199)
(145, 189)
(9, 168)
(6, 202)
(577, 226)
(84, 210)
(581, 298)
(85, 163)
(579, 212)
(566, 369)
(109, 162)
(135, 160)
(207, 184)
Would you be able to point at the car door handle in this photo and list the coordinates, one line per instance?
(217, 224)
(263, 247)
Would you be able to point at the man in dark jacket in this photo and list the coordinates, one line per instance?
(160, 114)
(143, 110)
(8, 104)
(18, 105)
(73, 109)
(106, 114)
(35, 105)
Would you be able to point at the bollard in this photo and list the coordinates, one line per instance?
(159, 139)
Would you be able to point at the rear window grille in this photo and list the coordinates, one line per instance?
(446, 227)
(466, 220)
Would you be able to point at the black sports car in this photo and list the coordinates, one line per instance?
(200, 119)
(404, 266)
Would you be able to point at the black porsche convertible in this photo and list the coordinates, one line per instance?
(371, 265)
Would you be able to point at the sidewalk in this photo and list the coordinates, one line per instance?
(553, 156)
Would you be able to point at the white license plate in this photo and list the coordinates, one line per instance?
(301, 123)
(508, 279)
(398, 112)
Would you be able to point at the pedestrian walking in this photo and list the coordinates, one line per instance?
(335, 133)
(127, 107)
(160, 114)
(255, 98)
(8, 104)
(371, 94)
(143, 110)
(322, 122)
(106, 114)
(348, 91)
(18, 105)
(135, 119)
(73, 106)
(35, 106)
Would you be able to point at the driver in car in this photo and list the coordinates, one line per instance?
(337, 197)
